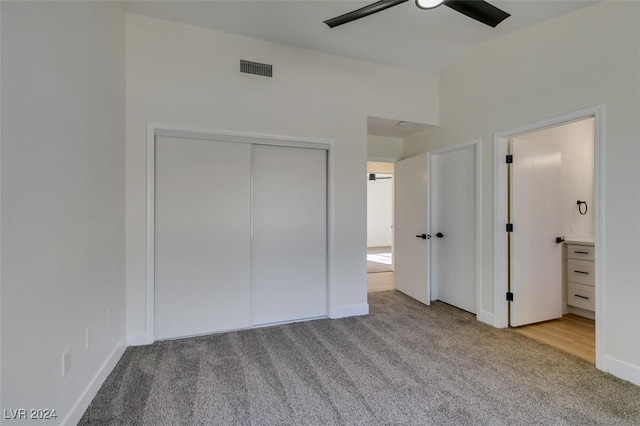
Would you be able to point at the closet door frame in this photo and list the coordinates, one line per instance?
(159, 129)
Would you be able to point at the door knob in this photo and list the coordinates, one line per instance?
(559, 240)
(424, 236)
(439, 235)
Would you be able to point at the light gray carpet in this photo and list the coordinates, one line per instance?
(378, 259)
(404, 364)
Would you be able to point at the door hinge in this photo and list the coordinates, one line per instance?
(509, 159)
(509, 297)
(509, 227)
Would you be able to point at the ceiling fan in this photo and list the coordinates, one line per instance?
(372, 176)
(476, 9)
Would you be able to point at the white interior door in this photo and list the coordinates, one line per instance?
(202, 236)
(289, 242)
(454, 227)
(380, 211)
(411, 216)
(535, 257)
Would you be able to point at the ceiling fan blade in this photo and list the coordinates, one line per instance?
(362, 12)
(479, 10)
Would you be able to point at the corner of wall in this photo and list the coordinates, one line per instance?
(82, 403)
(620, 369)
(136, 338)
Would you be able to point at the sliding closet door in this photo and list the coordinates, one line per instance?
(202, 236)
(289, 244)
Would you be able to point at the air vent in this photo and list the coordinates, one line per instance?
(256, 68)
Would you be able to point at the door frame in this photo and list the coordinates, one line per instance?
(501, 307)
(476, 145)
(391, 160)
(159, 129)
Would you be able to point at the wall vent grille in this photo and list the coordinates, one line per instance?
(256, 68)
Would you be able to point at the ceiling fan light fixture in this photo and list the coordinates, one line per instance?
(428, 4)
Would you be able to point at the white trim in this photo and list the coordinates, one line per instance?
(82, 403)
(476, 144)
(501, 319)
(233, 136)
(150, 320)
(500, 247)
(380, 244)
(157, 129)
(331, 228)
(384, 159)
(579, 312)
(136, 338)
(1, 352)
(432, 267)
(620, 369)
(273, 324)
(241, 137)
(349, 311)
(485, 317)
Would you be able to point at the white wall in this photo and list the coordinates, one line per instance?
(379, 212)
(62, 173)
(576, 145)
(578, 60)
(380, 167)
(384, 147)
(184, 75)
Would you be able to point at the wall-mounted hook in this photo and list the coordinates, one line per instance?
(580, 203)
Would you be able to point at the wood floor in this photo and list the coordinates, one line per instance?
(571, 333)
(380, 281)
(379, 259)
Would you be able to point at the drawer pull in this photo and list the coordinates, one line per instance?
(581, 272)
(580, 252)
(581, 297)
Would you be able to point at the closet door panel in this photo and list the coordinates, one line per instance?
(289, 242)
(202, 236)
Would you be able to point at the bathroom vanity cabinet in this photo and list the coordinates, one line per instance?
(579, 263)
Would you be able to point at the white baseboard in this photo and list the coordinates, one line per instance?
(621, 369)
(81, 405)
(485, 317)
(379, 244)
(349, 311)
(136, 338)
(581, 312)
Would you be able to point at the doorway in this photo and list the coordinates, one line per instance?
(547, 193)
(437, 207)
(380, 253)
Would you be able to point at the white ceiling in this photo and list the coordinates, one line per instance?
(403, 36)
(393, 128)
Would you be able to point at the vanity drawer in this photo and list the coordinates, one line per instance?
(581, 271)
(575, 251)
(581, 296)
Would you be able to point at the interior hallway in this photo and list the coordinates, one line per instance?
(379, 269)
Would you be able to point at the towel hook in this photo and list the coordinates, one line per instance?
(580, 203)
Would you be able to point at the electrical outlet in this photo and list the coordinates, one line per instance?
(109, 316)
(87, 343)
(66, 363)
